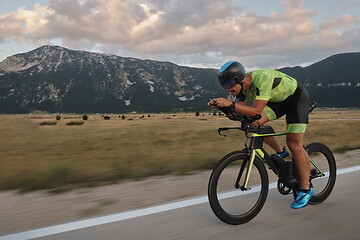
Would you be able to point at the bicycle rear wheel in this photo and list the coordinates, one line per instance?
(228, 201)
(322, 171)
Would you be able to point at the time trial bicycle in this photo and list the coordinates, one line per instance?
(239, 183)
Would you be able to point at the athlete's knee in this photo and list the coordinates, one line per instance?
(294, 147)
(295, 142)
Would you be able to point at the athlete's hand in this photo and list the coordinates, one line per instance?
(212, 103)
(222, 102)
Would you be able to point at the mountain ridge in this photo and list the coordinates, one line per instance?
(333, 81)
(57, 79)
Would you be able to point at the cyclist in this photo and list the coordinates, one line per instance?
(274, 94)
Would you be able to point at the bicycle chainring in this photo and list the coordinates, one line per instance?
(282, 188)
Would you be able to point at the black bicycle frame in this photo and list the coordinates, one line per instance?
(256, 136)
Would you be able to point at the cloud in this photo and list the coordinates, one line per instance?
(191, 32)
(345, 5)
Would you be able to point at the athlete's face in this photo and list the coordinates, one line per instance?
(234, 90)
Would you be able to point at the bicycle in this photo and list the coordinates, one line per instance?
(239, 183)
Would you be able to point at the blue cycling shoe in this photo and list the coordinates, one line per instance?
(284, 154)
(302, 199)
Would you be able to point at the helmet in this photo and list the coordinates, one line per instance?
(231, 73)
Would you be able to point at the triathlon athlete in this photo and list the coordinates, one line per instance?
(274, 94)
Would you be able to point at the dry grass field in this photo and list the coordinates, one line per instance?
(61, 157)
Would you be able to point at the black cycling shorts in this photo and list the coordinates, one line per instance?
(296, 108)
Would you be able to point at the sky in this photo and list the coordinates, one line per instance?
(197, 33)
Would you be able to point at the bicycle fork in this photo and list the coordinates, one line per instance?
(249, 161)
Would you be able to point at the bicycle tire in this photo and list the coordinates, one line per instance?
(259, 192)
(322, 193)
(224, 158)
(322, 156)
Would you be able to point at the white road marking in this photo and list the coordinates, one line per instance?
(47, 231)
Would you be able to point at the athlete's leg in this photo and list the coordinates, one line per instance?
(271, 141)
(297, 119)
(295, 142)
(269, 115)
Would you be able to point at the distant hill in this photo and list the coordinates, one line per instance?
(332, 82)
(57, 79)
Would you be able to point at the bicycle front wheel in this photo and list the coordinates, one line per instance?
(322, 171)
(230, 202)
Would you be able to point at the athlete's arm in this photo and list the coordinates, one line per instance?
(241, 108)
(257, 108)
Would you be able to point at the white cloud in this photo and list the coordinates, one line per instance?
(202, 32)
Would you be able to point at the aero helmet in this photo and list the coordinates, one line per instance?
(231, 73)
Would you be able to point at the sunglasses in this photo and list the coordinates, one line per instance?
(229, 84)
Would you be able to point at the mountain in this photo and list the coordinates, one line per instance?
(332, 82)
(56, 79)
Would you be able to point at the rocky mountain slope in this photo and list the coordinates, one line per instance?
(332, 82)
(57, 79)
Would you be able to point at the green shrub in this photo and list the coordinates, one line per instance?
(75, 123)
(48, 123)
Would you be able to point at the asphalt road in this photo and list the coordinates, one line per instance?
(336, 218)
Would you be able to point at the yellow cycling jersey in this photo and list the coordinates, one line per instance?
(270, 85)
